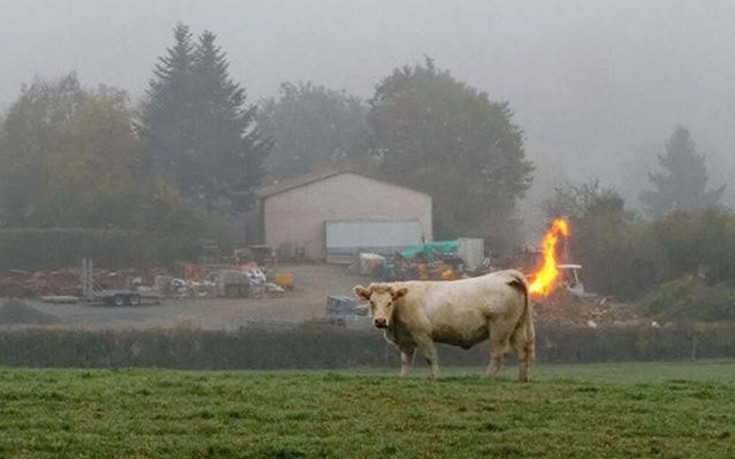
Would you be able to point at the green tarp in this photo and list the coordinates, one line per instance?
(431, 250)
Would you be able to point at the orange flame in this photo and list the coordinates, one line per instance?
(543, 282)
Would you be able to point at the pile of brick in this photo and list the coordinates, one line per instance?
(66, 282)
(22, 284)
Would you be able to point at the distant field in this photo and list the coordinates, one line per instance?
(671, 410)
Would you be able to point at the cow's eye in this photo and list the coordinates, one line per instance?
(390, 303)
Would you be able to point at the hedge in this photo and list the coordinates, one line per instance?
(329, 347)
(34, 249)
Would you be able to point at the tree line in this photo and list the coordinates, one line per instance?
(194, 150)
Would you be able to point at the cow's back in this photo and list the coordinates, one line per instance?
(491, 294)
(459, 312)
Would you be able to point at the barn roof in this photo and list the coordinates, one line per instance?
(322, 174)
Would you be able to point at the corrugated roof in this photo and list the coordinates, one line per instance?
(316, 176)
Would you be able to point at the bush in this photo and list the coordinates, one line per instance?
(689, 298)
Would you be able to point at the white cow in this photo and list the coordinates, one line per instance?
(461, 312)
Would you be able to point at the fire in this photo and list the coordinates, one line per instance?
(543, 281)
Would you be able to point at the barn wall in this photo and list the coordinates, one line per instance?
(297, 216)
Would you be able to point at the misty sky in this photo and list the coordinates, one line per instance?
(597, 86)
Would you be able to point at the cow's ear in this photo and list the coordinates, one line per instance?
(401, 292)
(361, 292)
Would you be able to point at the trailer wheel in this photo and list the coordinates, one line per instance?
(119, 300)
(134, 300)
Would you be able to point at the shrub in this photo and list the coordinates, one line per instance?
(689, 298)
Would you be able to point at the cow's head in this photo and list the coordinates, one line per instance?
(382, 300)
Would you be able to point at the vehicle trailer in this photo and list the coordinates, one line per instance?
(92, 293)
(117, 297)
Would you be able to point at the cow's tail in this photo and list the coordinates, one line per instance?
(524, 331)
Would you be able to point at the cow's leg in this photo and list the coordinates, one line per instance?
(523, 342)
(499, 346)
(521, 347)
(429, 349)
(496, 359)
(407, 360)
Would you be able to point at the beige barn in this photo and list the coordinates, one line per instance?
(297, 213)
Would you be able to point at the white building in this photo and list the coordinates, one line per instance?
(345, 210)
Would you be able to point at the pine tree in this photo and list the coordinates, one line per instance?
(168, 112)
(199, 130)
(681, 185)
(228, 148)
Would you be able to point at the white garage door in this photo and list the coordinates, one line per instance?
(345, 238)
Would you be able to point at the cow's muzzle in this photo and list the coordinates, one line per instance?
(380, 322)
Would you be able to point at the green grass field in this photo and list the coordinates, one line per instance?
(668, 410)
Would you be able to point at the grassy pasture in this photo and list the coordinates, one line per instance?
(671, 410)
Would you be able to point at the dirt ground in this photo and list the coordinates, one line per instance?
(312, 285)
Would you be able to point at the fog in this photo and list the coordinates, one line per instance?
(597, 86)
